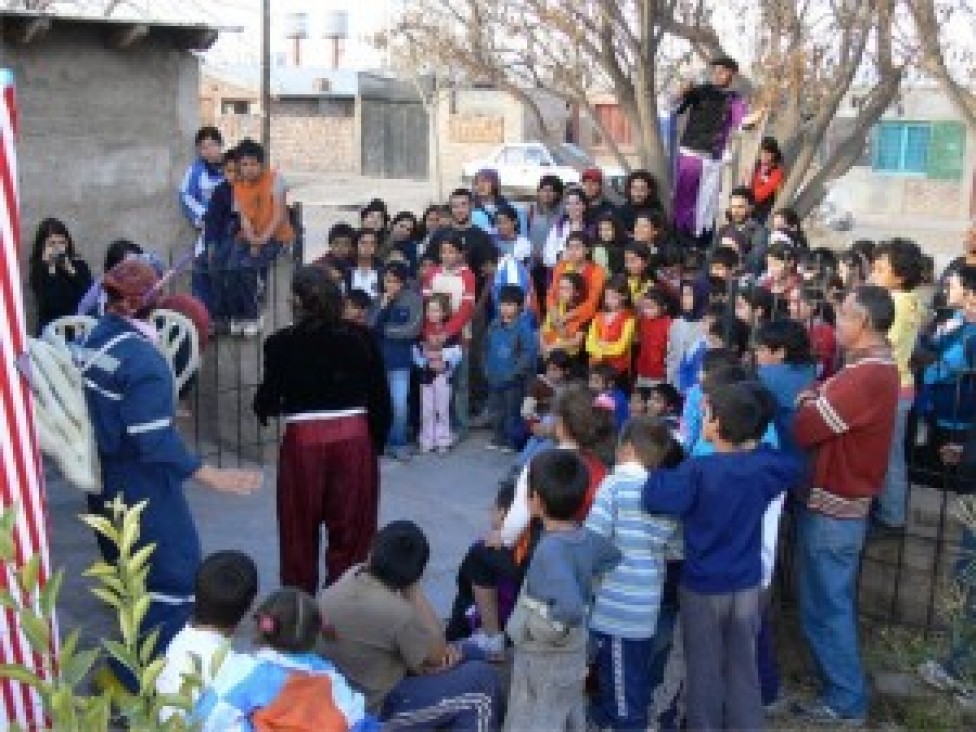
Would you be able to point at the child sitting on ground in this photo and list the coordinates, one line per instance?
(605, 382)
(721, 500)
(487, 582)
(226, 585)
(285, 684)
(664, 402)
(548, 625)
(624, 619)
(538, 403)
(389, 641)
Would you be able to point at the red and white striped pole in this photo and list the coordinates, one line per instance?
(22, 476)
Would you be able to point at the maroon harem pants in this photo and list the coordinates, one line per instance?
(327, 473)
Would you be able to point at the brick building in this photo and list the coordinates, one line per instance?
(314, 112)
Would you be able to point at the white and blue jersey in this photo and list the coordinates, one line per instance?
(198, 185)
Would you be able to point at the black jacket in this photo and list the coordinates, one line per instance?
(318, 367)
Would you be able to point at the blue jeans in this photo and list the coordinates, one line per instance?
(465, 697)
(243, 269)
(961, 661)
(892, 504)
(201, 281)
(222, 283)
(505, 407)
(399, 381)
(828, 555)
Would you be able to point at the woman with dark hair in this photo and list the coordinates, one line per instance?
(767, 178)
(58, 277)
(640, 192)
(327, 379)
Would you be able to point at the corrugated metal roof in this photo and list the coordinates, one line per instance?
(162, 12)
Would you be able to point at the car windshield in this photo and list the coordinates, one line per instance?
(571, 155)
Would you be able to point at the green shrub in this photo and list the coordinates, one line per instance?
(64, 693)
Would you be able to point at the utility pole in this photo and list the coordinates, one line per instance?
(266, 78)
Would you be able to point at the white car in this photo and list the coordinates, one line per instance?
(521, 165)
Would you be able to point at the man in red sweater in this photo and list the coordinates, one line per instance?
(847, 425)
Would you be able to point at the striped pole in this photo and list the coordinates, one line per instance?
(22, 477)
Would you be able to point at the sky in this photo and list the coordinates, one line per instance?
(365, 18)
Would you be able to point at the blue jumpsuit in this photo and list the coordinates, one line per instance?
(129, 390)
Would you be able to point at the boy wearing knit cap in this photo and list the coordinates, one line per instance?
(596, 204)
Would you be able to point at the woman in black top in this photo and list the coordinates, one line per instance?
(326, 378)
(58, 277)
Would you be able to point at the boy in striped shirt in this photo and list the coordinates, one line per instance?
(624, 618)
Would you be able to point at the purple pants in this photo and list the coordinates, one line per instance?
(435, 414)
(686, 192)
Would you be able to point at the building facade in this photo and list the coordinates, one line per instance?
(108, 110)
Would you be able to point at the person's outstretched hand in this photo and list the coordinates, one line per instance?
(229, 480)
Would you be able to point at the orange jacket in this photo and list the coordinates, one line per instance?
(594, 277)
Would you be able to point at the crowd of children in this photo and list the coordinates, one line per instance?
(668, 405)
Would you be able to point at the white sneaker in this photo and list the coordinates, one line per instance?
(251, 329)
(938, 677)
(236, 327)
(493, 645)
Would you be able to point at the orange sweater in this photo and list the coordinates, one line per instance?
(554, 337)
(594, 277)
(255, 199)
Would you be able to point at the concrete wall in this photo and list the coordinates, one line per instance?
(915, 202)
(105, 137)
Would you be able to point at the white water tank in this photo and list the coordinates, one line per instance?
(335, 24)
(296, 25)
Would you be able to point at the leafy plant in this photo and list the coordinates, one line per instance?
(122, 586)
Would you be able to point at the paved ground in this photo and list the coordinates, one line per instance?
(448, 496)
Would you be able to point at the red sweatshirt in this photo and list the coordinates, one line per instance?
(459, 286)
(652, 334)
(849, 426)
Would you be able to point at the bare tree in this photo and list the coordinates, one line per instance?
(931, 20)
(811, 55)
(568, 50)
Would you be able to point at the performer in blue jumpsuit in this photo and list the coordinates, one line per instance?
(129, 391)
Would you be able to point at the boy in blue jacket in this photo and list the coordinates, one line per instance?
(721, 499)
(201, 178)
(509, 359)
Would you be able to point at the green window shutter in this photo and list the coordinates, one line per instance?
(947, 151)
